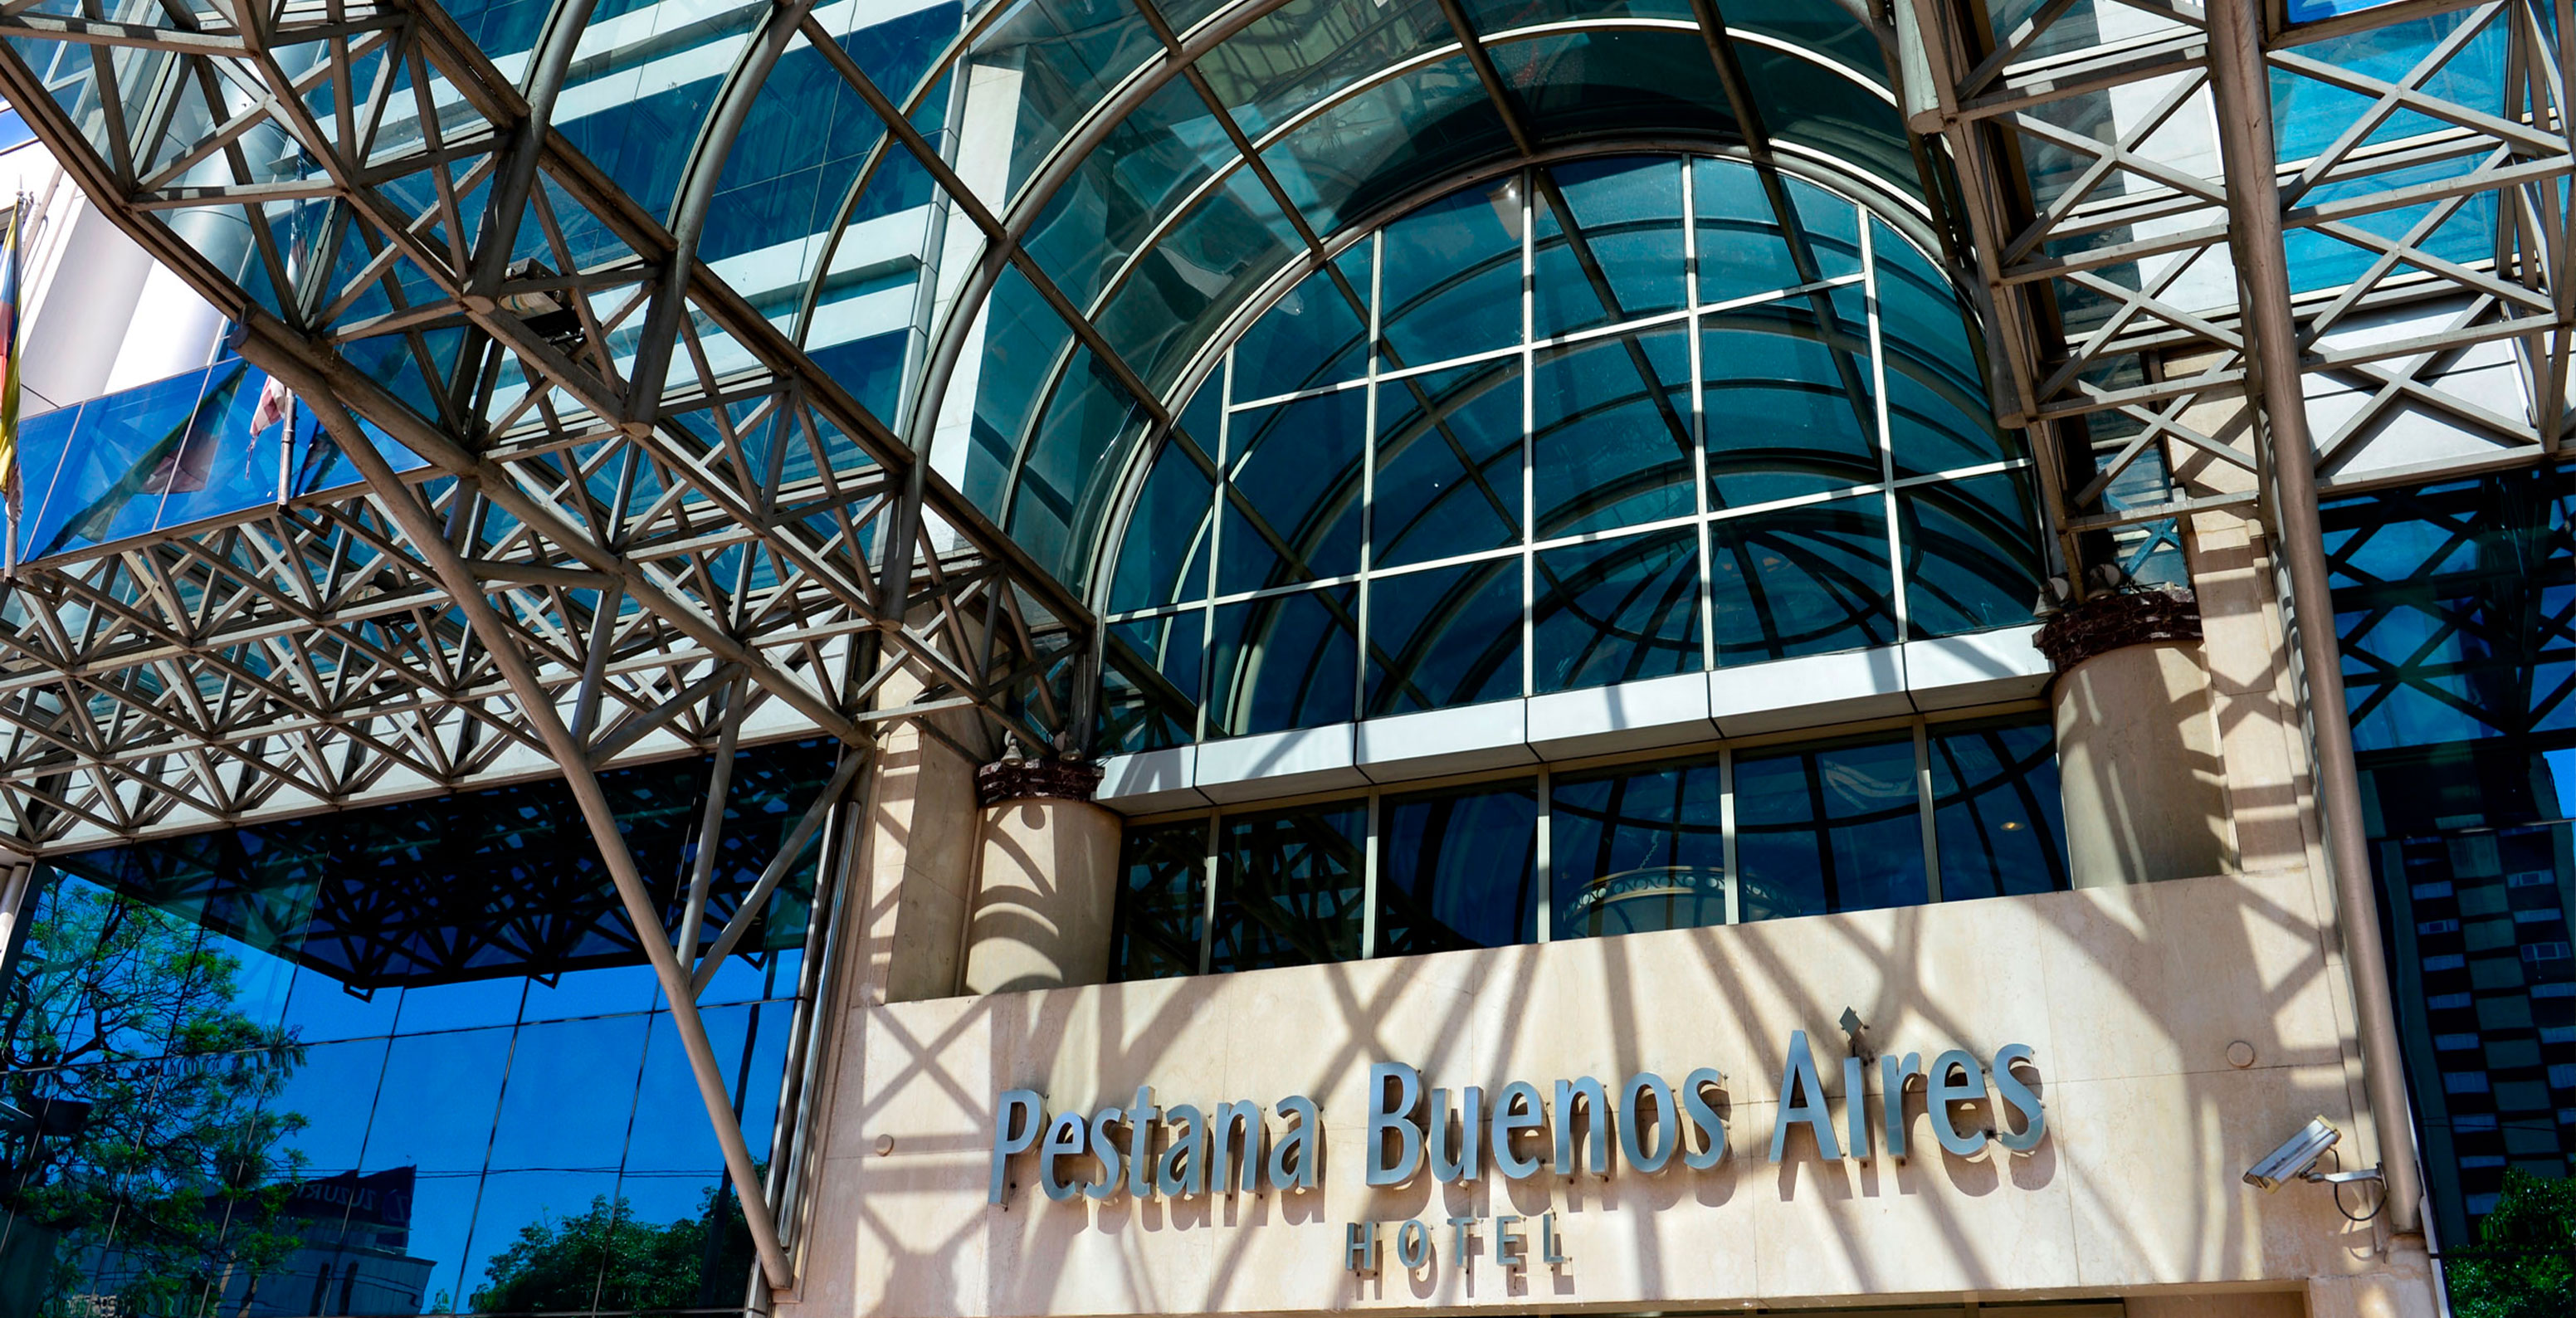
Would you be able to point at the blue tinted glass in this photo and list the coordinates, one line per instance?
(1164, 557)
(1971, 557)
(1805, 580)
(1637, 851)
(1288, 888)
(1619, 255)
(1150, 681)
(1216, 257)
(1316, 335)
(1161, 913)
(1284, 661)
(1611, 433)
(1448, 463)
(1444, 636)
(1617, 610)
(1828, 830)
(1458, 869)
(1996, 812)
(1790, 410)
(1327, 163)
(1452, 277)
(1293, 512)
(1742, 252)
(536, 1130)
(127, 456)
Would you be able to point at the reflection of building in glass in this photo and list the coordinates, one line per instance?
(2457, 601)
(385, 1060)
(627, 624)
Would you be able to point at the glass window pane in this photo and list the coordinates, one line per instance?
(1790, 407)
(1620, 83)
(1162, 902)
(1622, 255)
(1806, 580)
(1997, 817)
(1337, 164)
(1067, 56)
(1163, 558)
(1306, 50)
(1445, 636)
(1452, 282)
(536, 1128)
(1634, 852)
(1971, 558)
(1184, 286)
(1812, 104)
(1457, 869)
(1448, 463)
(1611, 433)
(1742, 252)
(1828, 830)
(1289, 884)
(1114, 197)
(1293, 513)
(1315, 336)
(1284, 661)
(1617, 610)
(1150, 681)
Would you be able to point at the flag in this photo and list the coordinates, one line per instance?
(272, 406)
(179, 464)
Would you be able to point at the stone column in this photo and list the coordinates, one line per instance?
(2137, 745)
(1047, 881)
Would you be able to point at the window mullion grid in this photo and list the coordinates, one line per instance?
(1542, 861)
(1369, 879)
(1923, 801)
(1886, 433)
(1529, 441)
(1369, 366)
(1707, 597)
(1216, 542)
(1207, 899)
(1726, 832)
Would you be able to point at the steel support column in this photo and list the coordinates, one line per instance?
(2244, 95)
(536, 706)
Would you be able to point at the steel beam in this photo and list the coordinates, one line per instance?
(537, 706)
(2245, 140)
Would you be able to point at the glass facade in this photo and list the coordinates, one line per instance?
(407, 1059)
(1606, 420)
(2457, 608)
(1736, 835)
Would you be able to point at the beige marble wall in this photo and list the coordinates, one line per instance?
(2131, 998)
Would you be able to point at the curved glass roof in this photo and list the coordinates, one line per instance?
(1611, 418)
(1162, 168)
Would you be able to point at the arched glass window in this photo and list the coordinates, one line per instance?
(1547, 433)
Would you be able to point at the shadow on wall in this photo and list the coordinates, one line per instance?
(2129, 999)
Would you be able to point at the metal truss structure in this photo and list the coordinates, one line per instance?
(649, 525)
(643, 511)
(2096, 176)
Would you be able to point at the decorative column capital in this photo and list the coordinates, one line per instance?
(1020, 780)
(2116, 619)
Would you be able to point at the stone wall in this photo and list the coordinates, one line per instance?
(2130, 998)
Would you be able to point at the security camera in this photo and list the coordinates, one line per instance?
(2296, 1155)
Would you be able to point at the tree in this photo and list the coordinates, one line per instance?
(145, 1137)
(2524, 1264)
(629, 1266)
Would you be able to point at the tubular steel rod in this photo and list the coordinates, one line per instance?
(538, 706)
(2238, 75)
